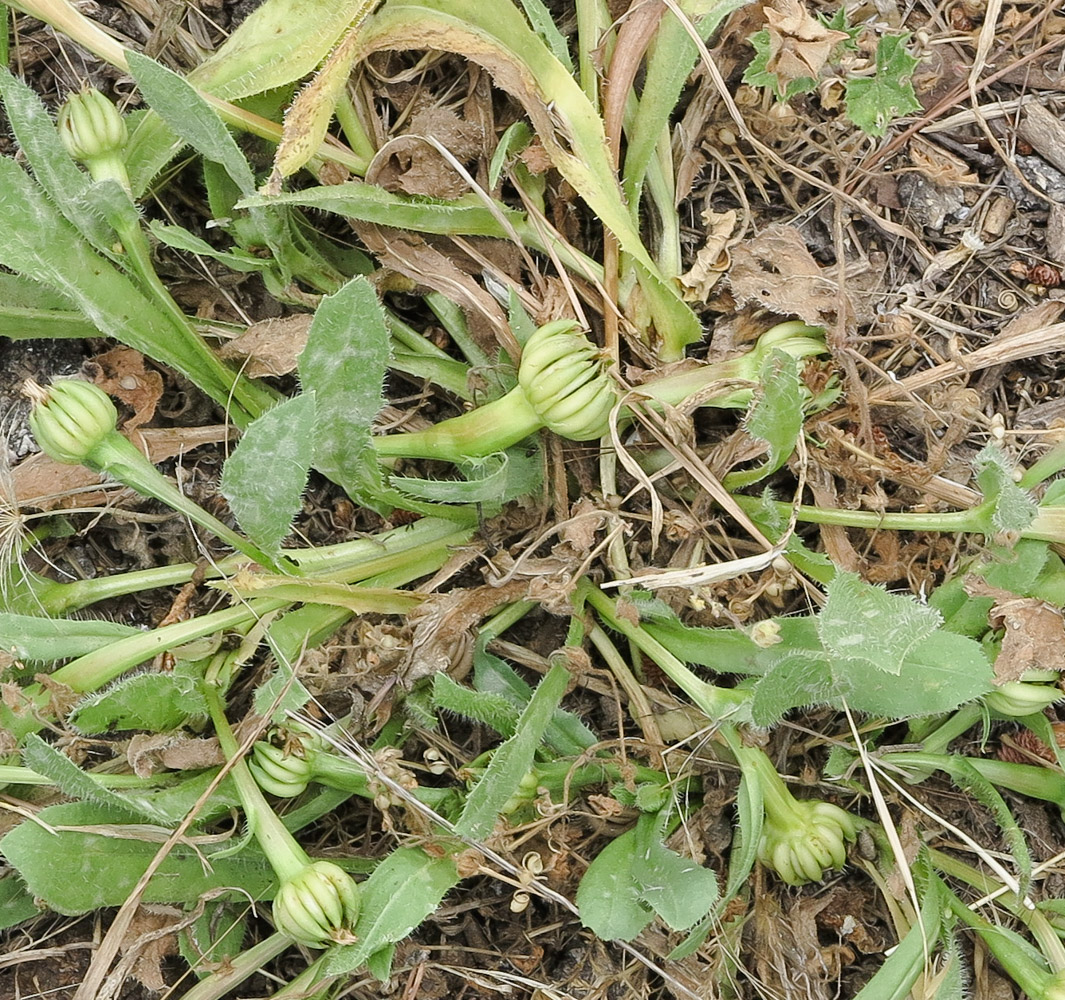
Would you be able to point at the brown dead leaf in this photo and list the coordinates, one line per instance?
(942, 168)
(799, 44)
(776, 271)
(269, 347)
(121, 372)
(148, 752)
(152, 937)
(712, 261)
(1033, 635)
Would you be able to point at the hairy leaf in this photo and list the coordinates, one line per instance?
(873, 103)
(266, 474)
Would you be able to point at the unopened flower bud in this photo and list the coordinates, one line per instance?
(70, 419)
(319, 906)
(94, 133)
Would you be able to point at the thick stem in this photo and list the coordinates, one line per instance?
(282, 850)
(719, 704)
(488, 429)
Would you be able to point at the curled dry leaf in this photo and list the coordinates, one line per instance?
(799, 44)
(712, 261)
(1033, 636)
(269, 347)
(120, 372)
(776, 271)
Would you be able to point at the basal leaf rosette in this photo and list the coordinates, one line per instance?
(564, 380)
(318, 906)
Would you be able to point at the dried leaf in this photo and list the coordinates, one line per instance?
(799, 44)
(776, 271)
(713, 259)
(269, 347)
(121, 373)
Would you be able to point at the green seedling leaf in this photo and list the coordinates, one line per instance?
(513, 760)
(180, 238)
(873, 103)
(609, 898)
(863, 622)
(78, 857)
(16, 903)
(266, 474)
(1014, 508)
(156, 702)
(402, 891)
(55, 171)
(775, 416)
(517, 136)
(190, 117)
(49, 639)
(344, 365)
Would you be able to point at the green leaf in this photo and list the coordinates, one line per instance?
(157, 702)
(491, 709)
(680, 891)
(1014, 508)
(16, 903)
(775, 416)
(873, 103)
(490, 482)
(71, 780)
(609, 898)
(758, 75)
(27, 637)
(402, 891)
(795, 680)
(78, 870)
(183, 109)
(266, 474)
(513, 760)
(863, 622)
(52, 166)
(344, 365)
(180, 238)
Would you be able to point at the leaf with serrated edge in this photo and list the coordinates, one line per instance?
(156, 702)
(680, 891)
(865, 622)
(512, 761)
(873, 103)
(402, 891)
(775, 416)
(265, 475)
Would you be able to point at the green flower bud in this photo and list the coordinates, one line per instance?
(280, 773)
(563, 378)
(319, 906)
(94, 133)
(70, 419)
(810, 839)
(1017, 699)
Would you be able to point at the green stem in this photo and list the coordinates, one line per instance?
(119, 457)
(237, 969)
(719, 704)
(490, 428)
(282, 850)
